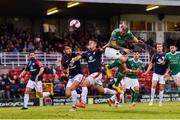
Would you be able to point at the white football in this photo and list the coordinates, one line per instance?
(75, 23)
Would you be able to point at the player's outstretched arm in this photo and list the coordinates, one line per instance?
(149, 68)
(167, 71)
(105, 46)
(78, 57)
(23, 72)
(136, 40)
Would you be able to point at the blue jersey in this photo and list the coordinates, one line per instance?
(34, 67)
(94, 60)
(74, 68)
(159, 68)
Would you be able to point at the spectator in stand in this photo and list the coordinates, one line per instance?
(14, 89)
(6, 82)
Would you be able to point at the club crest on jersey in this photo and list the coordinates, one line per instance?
(31, 67)
(159, 60)
(90, 57)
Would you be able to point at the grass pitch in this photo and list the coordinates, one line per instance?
(169, 110)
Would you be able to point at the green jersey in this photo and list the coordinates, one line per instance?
(134, 65)
(174, 62)
(121, 40)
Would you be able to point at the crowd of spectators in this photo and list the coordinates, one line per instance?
(20, 40)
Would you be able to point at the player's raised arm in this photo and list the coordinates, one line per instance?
(149, 66)
(136, 40)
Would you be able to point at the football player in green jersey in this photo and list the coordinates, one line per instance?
(117, 43)
(133, 67)
(173, 60)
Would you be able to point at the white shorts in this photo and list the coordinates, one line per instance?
(130, 83)
(78, 77)
(157, 77)
(32, 84)
(176, 77)
(112, 53)
(95, 78)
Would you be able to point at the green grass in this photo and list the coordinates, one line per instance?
(169, 110)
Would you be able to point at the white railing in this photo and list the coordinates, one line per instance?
(21, 58)
(18, 59)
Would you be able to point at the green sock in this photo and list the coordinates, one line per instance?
(119, 78)
(114, 64)
(135, 96)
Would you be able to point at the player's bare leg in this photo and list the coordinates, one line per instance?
(153, 90)
(71, 92)
(26, 98)
(74, 95)
(82, 103)
(161, 92)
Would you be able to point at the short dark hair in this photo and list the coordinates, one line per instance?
(135, 50)
(66, 45)
(159, 44)
(95, 40)
(172, 44)
(31, 51)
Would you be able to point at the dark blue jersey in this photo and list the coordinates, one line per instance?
(94, 60)
(74, 68)
(159, 68)
(33, 67)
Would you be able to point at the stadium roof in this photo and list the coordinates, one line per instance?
(87, 8)
(140, 2)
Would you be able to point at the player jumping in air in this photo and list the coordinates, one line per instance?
(118, 42)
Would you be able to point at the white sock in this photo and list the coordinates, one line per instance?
(109, 91)
(26, 100)
(84, 94)
(122, 97)
(152, 94)
(46, 94)
(161, 93)
(113, 98)
(74, 96)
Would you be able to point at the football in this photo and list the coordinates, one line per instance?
(75, 23)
